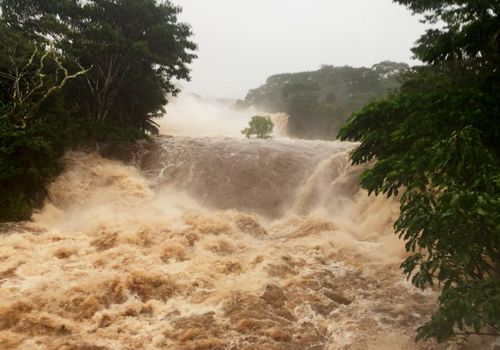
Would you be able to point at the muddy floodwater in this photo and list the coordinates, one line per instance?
(210, 243)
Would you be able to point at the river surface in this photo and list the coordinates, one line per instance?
(210, 243)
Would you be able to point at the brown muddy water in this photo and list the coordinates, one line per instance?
(210, 243)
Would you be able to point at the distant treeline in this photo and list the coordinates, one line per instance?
(319, 102)
(77, 73)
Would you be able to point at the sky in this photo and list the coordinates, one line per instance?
(242, 42)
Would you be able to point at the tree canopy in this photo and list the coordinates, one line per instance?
(79, 72)
(260, 126)
(437, 141)
(134, 49)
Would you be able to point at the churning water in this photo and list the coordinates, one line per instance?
(210, 243)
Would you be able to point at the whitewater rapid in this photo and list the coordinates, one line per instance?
(210, 243)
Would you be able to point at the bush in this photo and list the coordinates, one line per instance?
(260, 126)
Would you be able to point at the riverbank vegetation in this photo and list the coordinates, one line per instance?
(437, 141)
(319, 102)
(77, 73)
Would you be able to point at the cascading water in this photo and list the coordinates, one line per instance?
(210, 243)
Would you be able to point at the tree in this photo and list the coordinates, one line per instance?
(136, 48)
(260, 126)
(437, 141)
(32, 82)
(35, 127)
(132, 51)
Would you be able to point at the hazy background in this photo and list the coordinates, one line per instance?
(242, 42)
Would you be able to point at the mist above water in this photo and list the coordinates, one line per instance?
(193, 115)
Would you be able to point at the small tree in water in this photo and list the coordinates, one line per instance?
(260, 126)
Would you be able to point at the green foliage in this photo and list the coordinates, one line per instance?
(260, 126)
(35, 127)
(147, 49)
(30, 74)
(135, 48)
(319, 102)
(438, 142)
(103, 77)
(29, 158)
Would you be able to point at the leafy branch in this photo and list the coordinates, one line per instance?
(32, 84)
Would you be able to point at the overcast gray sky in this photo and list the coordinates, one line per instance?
(242, 42)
